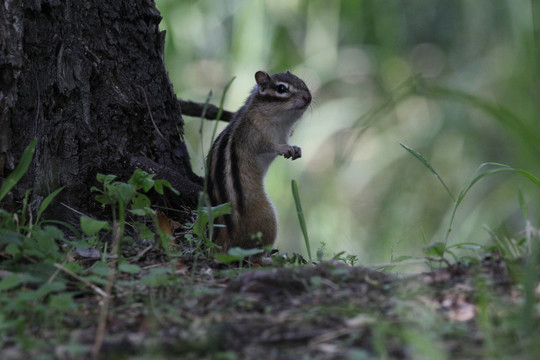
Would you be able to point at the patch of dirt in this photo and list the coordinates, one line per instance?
(204, 309)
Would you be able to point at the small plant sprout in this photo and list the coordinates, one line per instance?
(124, 197)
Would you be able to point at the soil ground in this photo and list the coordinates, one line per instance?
(208, 310)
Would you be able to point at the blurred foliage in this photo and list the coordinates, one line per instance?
(456, 80)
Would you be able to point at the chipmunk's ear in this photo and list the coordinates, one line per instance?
(263, 81)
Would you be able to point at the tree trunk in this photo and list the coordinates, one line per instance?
(88, 80)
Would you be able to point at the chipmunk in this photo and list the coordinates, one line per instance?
(242, 153)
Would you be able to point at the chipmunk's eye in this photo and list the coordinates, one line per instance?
(282, 89)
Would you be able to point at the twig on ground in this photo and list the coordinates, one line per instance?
(102, 322)
(97, 289)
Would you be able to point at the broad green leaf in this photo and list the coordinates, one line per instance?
(122, 191)
(160, 271)
(43, 244)
(216, 211)
(142, 180)
(129, 268)
(42, 291)
(403, 258)
(226, 258)
(11, 237)
(9, 282)
(104, 200)
(237, 251)
(12, 249)
(155, 280)
(436, 249)
(145, 232)
(95, 279)
(199, 226)
(140, 212)
(160, 184)
(101, 269)
(74, 267)
(62, 302)
(140, 201)
(221, 210)
(53, 287)
(92, 226)
(105, 179)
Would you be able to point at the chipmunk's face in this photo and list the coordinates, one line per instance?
(283, 92)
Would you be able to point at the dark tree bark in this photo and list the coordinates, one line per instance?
(88, 80)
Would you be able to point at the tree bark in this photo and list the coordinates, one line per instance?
(88, 80)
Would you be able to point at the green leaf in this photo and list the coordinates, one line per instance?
(101, 269)
(216, 211)
(45, 203)
(140, 212)
(140, 202)
(226, 258)
(92, 226)
(11, 237)
(142, 180)
(122, 191)
(42, 291)
(53, 287)
(160, 271)
(20, 169)
(13, 249)
(105, 179)
(62, 302)
(9, 282)
(104, 200)
(145, 232)
(465, 245)
(129, 268)
(199, 226)
(436, 249)
(238, 251)
(236, 254)
(96, 279)
(43, 244)
(155, 279)
(220, 210)
(403, 258)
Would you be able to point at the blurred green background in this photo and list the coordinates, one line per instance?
(457, 81)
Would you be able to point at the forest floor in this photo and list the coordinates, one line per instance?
(181, 309)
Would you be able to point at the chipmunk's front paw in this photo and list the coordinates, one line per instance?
(292, 151)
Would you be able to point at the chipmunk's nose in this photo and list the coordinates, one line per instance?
(307, 98)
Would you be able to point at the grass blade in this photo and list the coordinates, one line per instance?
(424, 161)
(20, 169)
(301, 218)
(220, 111)
(46, 202)
(504, 116)
(477, 176)
(209, 160)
